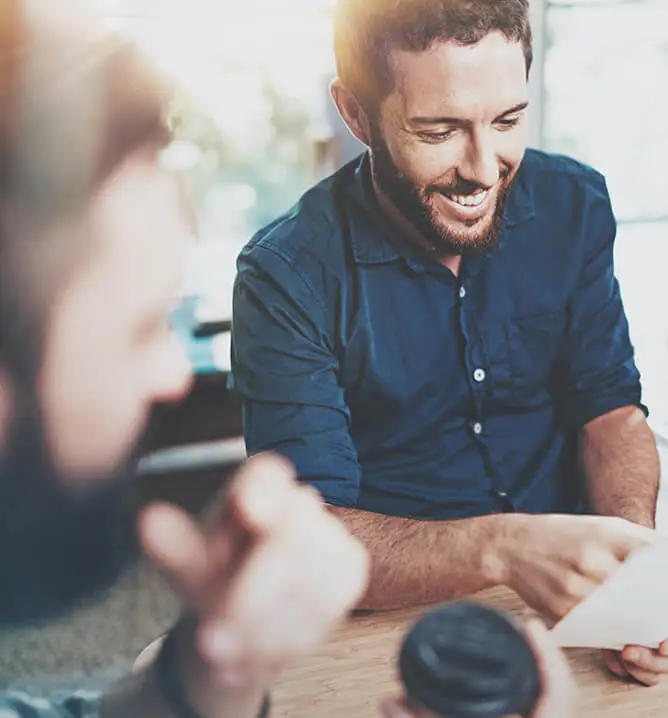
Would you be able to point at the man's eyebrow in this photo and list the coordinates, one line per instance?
(514, 110)
(436, 121)
(459, 121)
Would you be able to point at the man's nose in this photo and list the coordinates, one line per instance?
(480, 164)
(175, 377)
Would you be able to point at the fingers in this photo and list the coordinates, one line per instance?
(558, 692)
(396, 708)
(564, 593)
(645, 665)
(176, 546)
(663, 648)
(615, 664)
(640, 664)
(186, 556)
(560, 560)
(630, 538)
(552, 663)
(261, 493)
(294, 585)
(597, 563)
(599, 554)
(271, 577)
(288, 595)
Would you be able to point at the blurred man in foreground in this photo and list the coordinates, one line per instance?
(92, 240)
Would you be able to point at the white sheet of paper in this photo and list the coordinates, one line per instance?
(629, 609)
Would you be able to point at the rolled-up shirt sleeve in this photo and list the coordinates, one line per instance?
(600, 374)
(284, 365)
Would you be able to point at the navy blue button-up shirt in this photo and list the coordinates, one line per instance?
(398, 388)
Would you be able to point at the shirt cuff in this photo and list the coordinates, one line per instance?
(582, 412)
(335, 492)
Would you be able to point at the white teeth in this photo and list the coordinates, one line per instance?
(469, 200)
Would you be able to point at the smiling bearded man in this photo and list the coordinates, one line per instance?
(435, 335)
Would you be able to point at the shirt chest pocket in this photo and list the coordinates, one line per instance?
(523, 354)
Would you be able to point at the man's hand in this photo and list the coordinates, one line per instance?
(621, 465)
(263, 586)
(558, 697)
(554, 562)
(643, 665)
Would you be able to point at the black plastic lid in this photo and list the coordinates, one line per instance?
(466, 660)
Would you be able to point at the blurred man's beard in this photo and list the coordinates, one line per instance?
(415, 207)
(58, 547)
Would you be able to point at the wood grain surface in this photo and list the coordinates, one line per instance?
(350, 675)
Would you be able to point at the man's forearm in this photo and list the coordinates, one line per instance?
(422, 562)
(620, 461)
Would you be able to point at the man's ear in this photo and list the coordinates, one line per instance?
(6, 402)
(351, 111)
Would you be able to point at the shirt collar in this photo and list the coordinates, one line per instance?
(376, 240)
(521, 203)
(373, 236)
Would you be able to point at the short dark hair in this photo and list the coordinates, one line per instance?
(72, 110)
(367, 31)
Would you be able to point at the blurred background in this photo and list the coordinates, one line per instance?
(256, 128)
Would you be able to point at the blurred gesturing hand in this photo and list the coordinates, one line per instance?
(266, 581)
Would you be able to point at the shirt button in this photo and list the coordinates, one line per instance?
(477, 428)
(462, 292)
(479, 375)
(502, 497)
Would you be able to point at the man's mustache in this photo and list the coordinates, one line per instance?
(465, 187)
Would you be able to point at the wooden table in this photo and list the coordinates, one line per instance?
(350, 675)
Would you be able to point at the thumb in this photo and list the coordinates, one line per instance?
(557, 699)
(176, 546)
(633, 538)
(534, 621)
(395, 708)
(262, 493)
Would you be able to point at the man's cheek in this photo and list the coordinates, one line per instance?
(432, 165)
(512, 153)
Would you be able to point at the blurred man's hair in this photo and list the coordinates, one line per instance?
(368, 31)
(75, 103)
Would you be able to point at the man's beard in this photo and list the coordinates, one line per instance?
(59, 546)
(414, 205)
